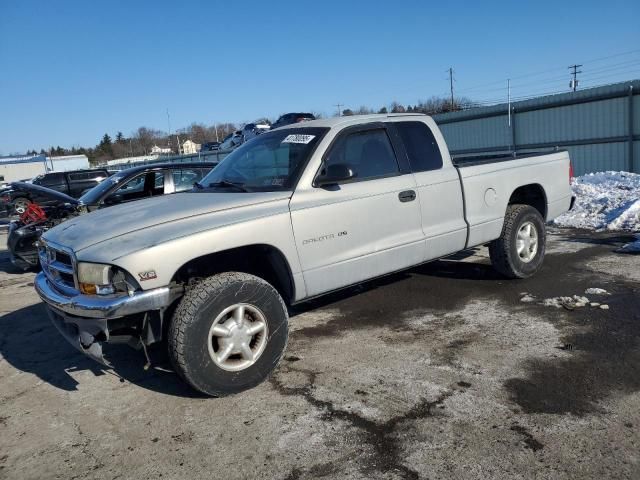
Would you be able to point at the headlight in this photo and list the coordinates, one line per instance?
(95, 278)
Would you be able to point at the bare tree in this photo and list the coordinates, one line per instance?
(363, 110)
(396, 107)
(145, 138)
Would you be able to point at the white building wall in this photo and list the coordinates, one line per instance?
(26, 167)
(67, 162)
(13, 172)
(189, 147)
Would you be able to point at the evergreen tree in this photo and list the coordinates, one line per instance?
(119, 137)
(106, 141)
(105, 147)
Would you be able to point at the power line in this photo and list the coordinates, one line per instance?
(338, 105)
(615, 66)
(540, 72)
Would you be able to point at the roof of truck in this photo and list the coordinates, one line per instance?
(335, 121)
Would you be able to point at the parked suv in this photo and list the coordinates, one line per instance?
(73, 183)
(289, 118)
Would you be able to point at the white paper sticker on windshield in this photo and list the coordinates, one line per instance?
(298, 138)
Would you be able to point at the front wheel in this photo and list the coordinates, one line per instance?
(519, 251)
(228, 333)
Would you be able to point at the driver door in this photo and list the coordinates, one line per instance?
(354, 231)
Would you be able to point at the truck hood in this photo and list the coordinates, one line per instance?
(117, 221)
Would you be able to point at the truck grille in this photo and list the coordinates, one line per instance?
(58, 265)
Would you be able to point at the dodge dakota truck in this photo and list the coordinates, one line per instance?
(292, 214)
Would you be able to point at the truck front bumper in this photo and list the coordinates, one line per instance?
(85, 320)
(93, 306)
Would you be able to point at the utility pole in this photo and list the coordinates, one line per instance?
(574, 83)
(451, 85)
(338, 106)
(509, 99)
(169, 126)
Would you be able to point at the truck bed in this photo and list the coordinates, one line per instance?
(472, 160)
(489, 182)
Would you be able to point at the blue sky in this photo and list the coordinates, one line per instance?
(72, 70)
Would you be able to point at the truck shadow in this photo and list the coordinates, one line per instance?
(30, 343)
(426, 277)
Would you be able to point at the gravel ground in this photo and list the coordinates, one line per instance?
(439, 372)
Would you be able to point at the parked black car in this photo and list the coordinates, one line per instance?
(73, 183)
(210, 147)
(125, 186)
(289, 118)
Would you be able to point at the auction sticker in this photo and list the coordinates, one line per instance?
(298, 138)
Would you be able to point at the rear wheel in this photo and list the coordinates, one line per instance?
(519, 251)
(228, 333)
(20, 205)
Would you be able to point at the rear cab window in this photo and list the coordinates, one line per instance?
(421, 146)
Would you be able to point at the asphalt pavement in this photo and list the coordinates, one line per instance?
(443, 371)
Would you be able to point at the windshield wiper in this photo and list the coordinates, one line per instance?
(229, 183)
(198, 185)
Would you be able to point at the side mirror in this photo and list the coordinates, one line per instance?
(334, 174)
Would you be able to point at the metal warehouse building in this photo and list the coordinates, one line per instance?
(28, 166)
(599, 126)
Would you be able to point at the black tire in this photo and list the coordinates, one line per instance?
(188, 338)
(503, 251)
(20, 205)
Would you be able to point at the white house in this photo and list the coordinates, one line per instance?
(156, 150)
(190, 147)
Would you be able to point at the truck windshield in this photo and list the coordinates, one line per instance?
(270, 162)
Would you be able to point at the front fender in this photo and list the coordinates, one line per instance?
(154, 264)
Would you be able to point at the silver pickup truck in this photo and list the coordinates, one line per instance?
(292, 214)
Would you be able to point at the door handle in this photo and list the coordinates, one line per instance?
(407, 196)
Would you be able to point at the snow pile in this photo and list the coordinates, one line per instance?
(605, 201)
(570, 303)
(596, 291)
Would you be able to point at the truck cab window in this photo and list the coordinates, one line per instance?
(368, 153)
(421, 146)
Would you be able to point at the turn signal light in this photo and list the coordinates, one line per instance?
(88, 288)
